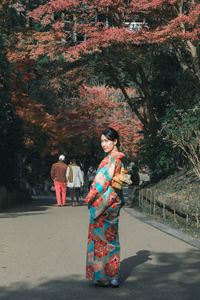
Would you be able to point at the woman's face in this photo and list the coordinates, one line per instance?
(107, 145)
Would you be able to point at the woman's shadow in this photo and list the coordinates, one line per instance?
(128, 264)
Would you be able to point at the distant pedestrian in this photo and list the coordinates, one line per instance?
(133, 188)
(75, 181)
(83, 186)
(91, 174)
(58, 175)
(104, 202)
(144, 175)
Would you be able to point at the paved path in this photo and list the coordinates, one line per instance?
(43, 248)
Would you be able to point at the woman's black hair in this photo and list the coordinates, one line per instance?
(73, 160)
(111, 134)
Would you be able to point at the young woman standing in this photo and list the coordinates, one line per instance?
(105, 202)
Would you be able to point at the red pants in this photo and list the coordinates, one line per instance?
(60, 187)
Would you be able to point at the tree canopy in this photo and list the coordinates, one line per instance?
(77, 66)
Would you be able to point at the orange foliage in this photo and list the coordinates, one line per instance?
(94, 109)
(101, 107)
(3, 2)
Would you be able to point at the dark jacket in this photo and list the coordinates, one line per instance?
(58, 172)
(135, 178)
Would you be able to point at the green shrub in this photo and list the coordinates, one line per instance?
(157, 154)
(182, 129)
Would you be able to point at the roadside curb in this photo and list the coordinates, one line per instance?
(173, 232)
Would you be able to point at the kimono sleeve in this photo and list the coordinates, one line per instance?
(102, 180)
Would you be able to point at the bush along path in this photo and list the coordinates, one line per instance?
(174, 200)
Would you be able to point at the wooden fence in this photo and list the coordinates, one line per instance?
(149, 199)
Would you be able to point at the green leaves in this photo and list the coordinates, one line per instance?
(182, 129)
(44, 60)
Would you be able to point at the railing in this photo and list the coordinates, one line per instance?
(148, 199)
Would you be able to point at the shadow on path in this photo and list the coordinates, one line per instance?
(130, 263)
(173, 276)
(37, 206)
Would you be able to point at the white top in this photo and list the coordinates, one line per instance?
(77, 177)
(144, 178)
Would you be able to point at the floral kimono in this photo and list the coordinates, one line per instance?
(104, 202)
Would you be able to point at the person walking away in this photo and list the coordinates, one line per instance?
(91, 174)
(58, 175)
(133, 188)
(104, 203)
(82, 189)
(75, 181)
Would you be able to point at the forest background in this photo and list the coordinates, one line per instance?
(70, 68)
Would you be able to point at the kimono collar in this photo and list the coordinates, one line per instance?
(118, 155)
